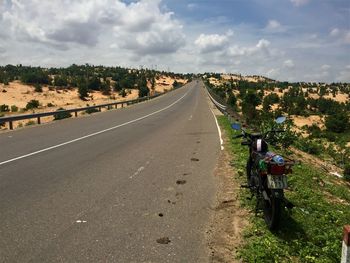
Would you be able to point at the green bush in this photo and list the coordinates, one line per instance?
(61, 115)
(338, 122)
(4, 108)
(29, 123)
(33, 104)
(347, 172)
(38, 88)
(123, 93)
(14, 108)
(91, 110)
(310, 146)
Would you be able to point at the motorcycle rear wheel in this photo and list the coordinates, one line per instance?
(273, 209)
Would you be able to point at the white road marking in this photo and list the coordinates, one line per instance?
(92, 134)
(137, 172)
(80, 221)
(219, 130)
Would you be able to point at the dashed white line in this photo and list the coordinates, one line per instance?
(137, 172)
(92, 134)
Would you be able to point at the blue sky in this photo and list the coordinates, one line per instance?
(294, 40)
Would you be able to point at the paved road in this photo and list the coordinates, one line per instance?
(109, 197)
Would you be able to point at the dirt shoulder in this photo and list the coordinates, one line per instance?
(225, 233)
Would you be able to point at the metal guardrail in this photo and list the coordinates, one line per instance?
(221, 104)
(11, 119)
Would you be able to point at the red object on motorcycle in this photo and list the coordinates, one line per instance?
(275, 169)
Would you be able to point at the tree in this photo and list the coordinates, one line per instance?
(106, 88)
(38, 88)
(143, 91)
(82, 89)
(32, 104)
(94, 84)
(122, 93)
(249, 103)
(61, 81)
(337, 122)
(232, 100)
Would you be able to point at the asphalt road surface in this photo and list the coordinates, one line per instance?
(127, 185)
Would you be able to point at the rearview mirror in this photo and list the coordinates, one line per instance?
(236, 126)
(280, 120)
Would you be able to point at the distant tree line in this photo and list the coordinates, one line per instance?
(86, 78)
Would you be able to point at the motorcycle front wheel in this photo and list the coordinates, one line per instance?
(273, 209)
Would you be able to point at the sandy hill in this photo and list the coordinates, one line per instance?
(17, 95)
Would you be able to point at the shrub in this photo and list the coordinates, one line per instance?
(123, 93)
(310, 147)
(91, 110)
(14, 108)
(83, 90)
(32, 104)
(61, 115)
(30, 123)
(38, 88)
(4, 108)
(337, 122)
(50, 105)
(347, 172)
(143, 91)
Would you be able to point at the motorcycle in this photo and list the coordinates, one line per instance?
(266, 174)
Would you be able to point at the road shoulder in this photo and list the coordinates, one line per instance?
(229, 219)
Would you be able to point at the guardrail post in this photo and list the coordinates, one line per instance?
(76, 114)
(99, 108)
(39, 122)
(11, 125)
(345, 256)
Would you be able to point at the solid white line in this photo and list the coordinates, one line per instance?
(92, 134)
(219, 130)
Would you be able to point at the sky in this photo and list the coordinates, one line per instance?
(287, 40)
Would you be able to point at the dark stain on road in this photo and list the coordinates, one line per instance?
(163, 240)
(172, 202)
(160, 214)
(180, 182)
(194, 159)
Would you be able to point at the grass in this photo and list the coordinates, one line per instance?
(310, 232)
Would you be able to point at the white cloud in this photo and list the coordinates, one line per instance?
(299, 2)
(288, 63)
(140, 27)
(325, 67)
(273, 73)
(334, 32)
(344, 75)
(192, 6)
(342, 35)
(274, 26)
(212, 43)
